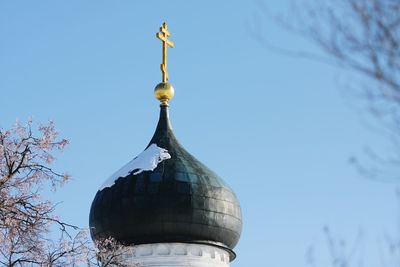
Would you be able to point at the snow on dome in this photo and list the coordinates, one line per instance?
(145, 161)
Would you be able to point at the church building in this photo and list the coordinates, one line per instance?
(165, 206)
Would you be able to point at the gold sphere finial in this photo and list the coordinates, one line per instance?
(164, 92)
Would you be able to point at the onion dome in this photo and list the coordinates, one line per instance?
(166, 195)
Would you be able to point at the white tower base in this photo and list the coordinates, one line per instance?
(175, 255)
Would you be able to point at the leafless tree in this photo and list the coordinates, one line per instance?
(347, 252)
(109, 253)
(27, 219)
(362, 37)
(341, 252)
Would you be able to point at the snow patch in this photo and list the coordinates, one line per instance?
(145, 161)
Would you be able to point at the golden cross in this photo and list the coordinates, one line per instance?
(163, 35)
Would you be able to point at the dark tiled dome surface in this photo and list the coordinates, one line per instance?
(179, 201)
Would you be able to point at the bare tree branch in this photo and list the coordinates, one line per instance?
(362, 36)
(27, 220)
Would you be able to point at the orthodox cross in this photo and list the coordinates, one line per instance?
(163, 35)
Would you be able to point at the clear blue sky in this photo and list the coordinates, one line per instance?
(276, 128)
